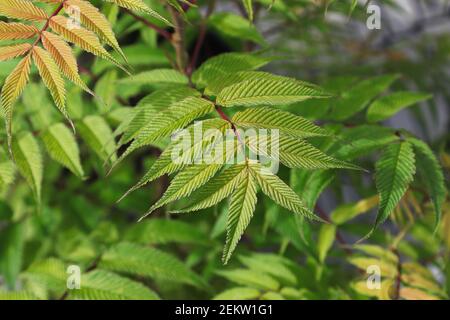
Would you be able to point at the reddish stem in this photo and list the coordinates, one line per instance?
(47, 23)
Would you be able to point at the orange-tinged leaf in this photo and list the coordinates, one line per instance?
(21, 9)
(15, 30)
(95, 21)
(85, 39)
(51, 77)
(416, 294)
(63, 56)
(14, 51)
(13, 88)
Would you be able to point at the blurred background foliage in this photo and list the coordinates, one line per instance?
(72, 218)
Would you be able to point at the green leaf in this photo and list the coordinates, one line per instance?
(7, 170)
(387, 106)
(433, 178)
(238, 293)
(17, 295)
(295, 153)
(161, 231)
(48, 275)
(29, 162)
(105, 89)
(104, 285)
(310, 184)
(285, 122)
(251, 278)
(187, 181)
(268, 90)
(358, 96)
(217, 189)
(63, 148)
(227, 63)
(240, 212)
(234, 26)
(348, 211)
(327, 234)
(11, 253)
(177, 116)
(393, 173)
(150, 105)
(139, 5)
(156, 76)
(273, 265)
(147, 262)
(280, 192)
(96, 132)
(166, 164)
(248, 5)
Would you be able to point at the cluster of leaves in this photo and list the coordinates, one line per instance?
(134, 116)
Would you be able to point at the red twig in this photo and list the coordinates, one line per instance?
(47, 23)
(200, 39)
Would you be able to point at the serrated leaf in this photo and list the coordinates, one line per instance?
(185, 182)
(217, 189)
(280, 192)
(139, 5)
(251, 278)
(239, 293)
(147, 262)
(63, 56)
(95, 21)
(156, 76)
(149, 106)
(62, 147)
(162, 231)
(387, 106)
(295, 153)
(393, 173)
(166, 164)
(16, 30)
(240, 212)
(98, 135)
(17, 295)
(387, 268)
(12, 88)
(226, 63)
(52, 78)
(28, 159)
(269, 90)
(428, 166)
(273, 265)
(177, 116)
(285, 122)
(21, 9)
(85, 39)
(104, 285)
(357, 97)
(14, 51)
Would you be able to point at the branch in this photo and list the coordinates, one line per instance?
(47, 23)
(178, 41)
(200, 38)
